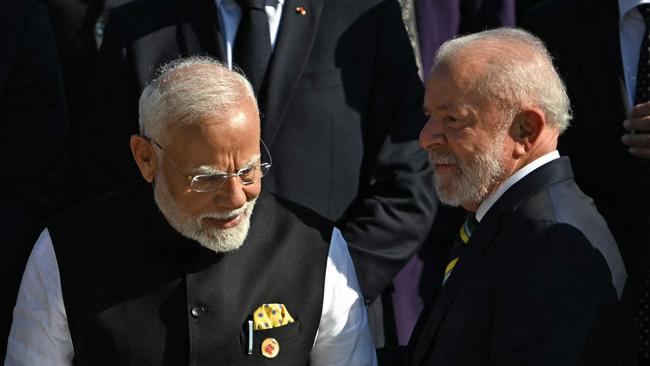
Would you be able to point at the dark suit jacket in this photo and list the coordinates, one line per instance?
(32, 140)
(584, 39)
(539, 284)
(441, 20)
(341, 115)
(73, 26)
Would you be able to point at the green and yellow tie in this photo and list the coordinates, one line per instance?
(460, 244)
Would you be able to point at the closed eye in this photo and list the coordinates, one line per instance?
(247, 173)
(211, 178)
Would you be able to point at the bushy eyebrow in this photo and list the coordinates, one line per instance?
(446, 107)
(210, 170)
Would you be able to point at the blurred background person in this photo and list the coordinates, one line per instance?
(77, 28)
(32, 140)
(602, 52)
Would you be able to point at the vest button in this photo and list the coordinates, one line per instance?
(197, 311)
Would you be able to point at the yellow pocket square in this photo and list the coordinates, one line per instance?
(270, 316)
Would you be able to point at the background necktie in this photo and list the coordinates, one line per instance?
(641, 95)
(253, 42)
(460, 244)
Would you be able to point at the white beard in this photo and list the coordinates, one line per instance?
(474, 179)
(192, 227)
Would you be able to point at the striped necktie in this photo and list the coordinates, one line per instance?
(460, 244)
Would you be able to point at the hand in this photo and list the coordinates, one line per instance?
(638, 127)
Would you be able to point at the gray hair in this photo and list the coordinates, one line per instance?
(518, 72)
(186, 91)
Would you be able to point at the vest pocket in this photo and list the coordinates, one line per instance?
(286, 336)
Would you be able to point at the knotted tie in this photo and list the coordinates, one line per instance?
(460, 244)
(641, 95)
(253, 42)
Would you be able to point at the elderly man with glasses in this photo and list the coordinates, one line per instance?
(198, 267)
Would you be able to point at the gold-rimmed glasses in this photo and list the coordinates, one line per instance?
(213, 181)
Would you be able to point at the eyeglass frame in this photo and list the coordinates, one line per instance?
(225, 175)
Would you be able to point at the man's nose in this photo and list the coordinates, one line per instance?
(231, 194)
(431, 135)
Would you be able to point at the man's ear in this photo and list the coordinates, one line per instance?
(144, 156)
(526, 129)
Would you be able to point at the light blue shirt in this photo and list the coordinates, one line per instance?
(631, 30)
(230, 15)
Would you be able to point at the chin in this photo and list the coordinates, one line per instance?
(219, 240)
(224, 240)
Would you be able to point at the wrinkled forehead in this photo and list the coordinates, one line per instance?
(242, 120)
(451, 83)
(233, 137)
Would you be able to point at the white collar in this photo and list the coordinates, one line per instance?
(517, 176)
(624, 6)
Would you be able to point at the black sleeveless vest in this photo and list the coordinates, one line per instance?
(138, 293)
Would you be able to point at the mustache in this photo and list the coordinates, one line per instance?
(443, 157)
(227, 215)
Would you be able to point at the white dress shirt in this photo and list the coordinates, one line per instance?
(230, 15)
(519, 174)
(40, 334)
(631, 30)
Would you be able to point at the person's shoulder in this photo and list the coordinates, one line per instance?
(360, 10)
(554, 7)
(547, 14)
(138, 18)
(138, 8)
(291, 209)
(101, 210)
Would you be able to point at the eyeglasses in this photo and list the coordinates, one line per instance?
(212, 182)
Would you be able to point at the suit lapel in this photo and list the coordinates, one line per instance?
(478, 243)
(293, 44)
(200, 32)
(552, 172)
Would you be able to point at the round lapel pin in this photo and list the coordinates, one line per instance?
(300, 10)
(270, 348)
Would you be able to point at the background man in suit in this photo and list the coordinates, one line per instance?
(340, 102)
(601, 52)
(535, 276)
(176, 270)
(32, 140)
(77, 27)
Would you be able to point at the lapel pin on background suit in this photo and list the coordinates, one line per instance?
(301, 10)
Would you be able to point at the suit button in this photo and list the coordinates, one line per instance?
(197, 311)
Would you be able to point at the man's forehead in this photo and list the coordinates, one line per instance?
(447, 86)
(240, 119)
